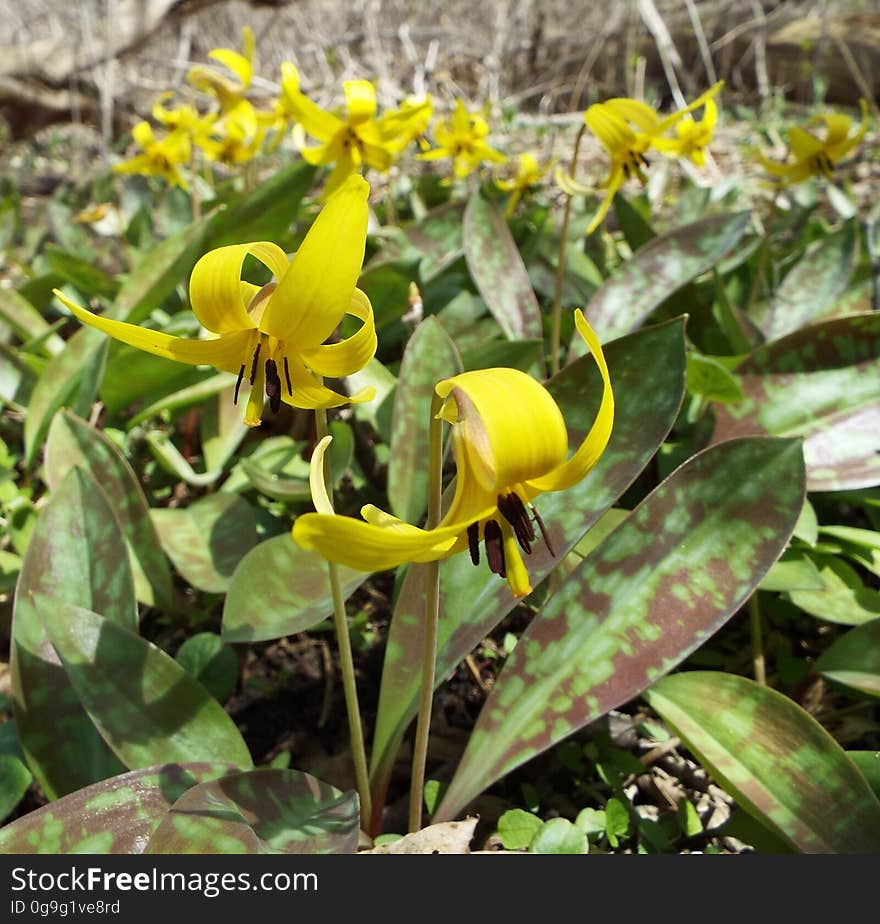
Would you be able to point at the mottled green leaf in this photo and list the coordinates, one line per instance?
(526, 355)
(262, 811)
(429, 357)
(279, 589)
(844, 598)
(435, 239)
(497, 269)
(812, 287)
(73, 443)
(774, 759)
(869, 764)
(378, 411)
(387, 287)
(208, 539)
(266, 213)
(114, 816)
(26, 321)
(822, 383)
(222, 428)
(647, 370)
(14, 774)
(71, 379)
(665, 580)
(854, 659)
(146, 706)
(77, 554)
(659, 269)
(213, 664)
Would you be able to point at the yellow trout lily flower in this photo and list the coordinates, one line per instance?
(237, 137)
(510, 445)
(183, 117)
(627, 129)
(462, 137)
(817, 156)
(276, 334)
(228, 92)
(357, 138)
(529, 173)
(692, 137)
(161, 156)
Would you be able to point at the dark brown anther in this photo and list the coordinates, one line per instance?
(494, 548)
(273, 386)
(255, 361)
(544, 534)
(514, 511)
(626, 169)
(644, 160)
(238, 384)
(473, 534)
(287, 377)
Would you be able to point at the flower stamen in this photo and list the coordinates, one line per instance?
(514, 511)
(494, 540)
(273, 386)
(238, 384)
(473, 536)
(287, 377)
(255, 361)
(544, 535)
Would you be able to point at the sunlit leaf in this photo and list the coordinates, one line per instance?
(854, 659)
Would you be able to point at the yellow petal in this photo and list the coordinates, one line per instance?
(803, 145)
(360, 100)
(214, 287)
(701, 100)
(316, 291)
(238, 64)
(588, 453)
(517, 575)
(226, 353)
(337, 360)
(507, 428)
(636, 112)
(610, 129)
(614, 181)
(317, 481)
(367, 547)
(310, 393)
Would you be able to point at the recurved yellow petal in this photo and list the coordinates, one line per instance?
(360, 100)
(316, 291)
(214, 288)
(337, 360)
(317, 481)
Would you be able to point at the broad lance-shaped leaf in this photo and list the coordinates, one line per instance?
(77, 554)
(261, 811)
(775, 759)
(114, 816)
(146, 706)
(665, 580)
(854, 659)
(498, 270)
(813, 286)
(647, 370)
(73, 443)
(659, 269)
(279, 589)
(429, 357)
(821, 383)
(208, 539)
(15, 778)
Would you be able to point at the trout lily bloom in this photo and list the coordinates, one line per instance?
(510, 445)
(817, 156)
(228, 92)
(357, 138)
(276, 334)
(462, 137)
(628, 129)
(528, 174)
(161, 157)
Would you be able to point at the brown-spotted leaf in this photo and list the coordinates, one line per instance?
(429, 357)
(854, 659)
(77, 554)
(665, 580)
(114, 816)
(145, 705)
(821, 383)
(73, 443)
(261, 811)
(208, 539)
(647, 371)
(279, 589)
(659, 269)
(774, 758)
(498, 270)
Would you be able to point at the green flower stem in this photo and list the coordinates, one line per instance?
(556, 317)
(432, 619)
(758, 666)
(346, 662)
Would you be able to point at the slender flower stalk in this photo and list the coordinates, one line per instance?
(556, 316)
(432, 620)
(323, 490)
